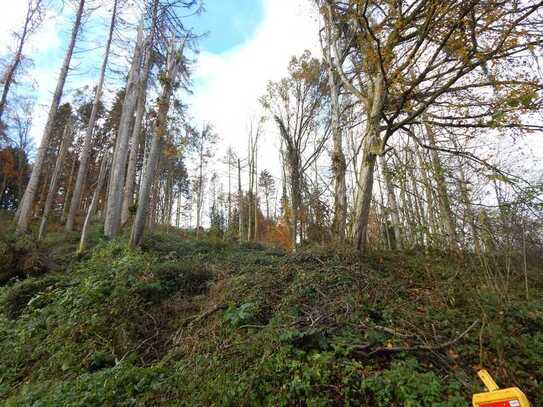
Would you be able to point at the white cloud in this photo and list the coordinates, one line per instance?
(228, 85)
(12, 20)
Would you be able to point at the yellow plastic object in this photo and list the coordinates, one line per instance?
(511, 397)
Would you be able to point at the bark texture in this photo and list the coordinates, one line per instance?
(118, 167)
(160, 131)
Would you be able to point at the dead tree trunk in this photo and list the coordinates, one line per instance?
(118, 166)
(53, 186)
(30, 193)
(68, 191)
(94, 202)
(87, 143)
(136, 139)
(160, 130)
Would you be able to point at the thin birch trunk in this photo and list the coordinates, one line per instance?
(53, 186)
(256, 191)
(200, 195)
(419, 209)
(240, 203)
(68, 192)
(94, 202)
(178, 211)
(443, 194)
(392, 202)
(250, 192)
(384, 215)
(339, 166)
(30, 193)
(229, 192)
(87, 143)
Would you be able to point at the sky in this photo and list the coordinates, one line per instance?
(247, 44)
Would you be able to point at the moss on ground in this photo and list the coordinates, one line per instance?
(189, 322)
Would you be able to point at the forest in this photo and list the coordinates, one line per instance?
(371, 236)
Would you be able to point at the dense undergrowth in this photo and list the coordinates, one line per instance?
(188, 322)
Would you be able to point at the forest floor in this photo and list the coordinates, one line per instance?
(205, 322)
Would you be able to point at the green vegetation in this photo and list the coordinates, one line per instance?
(204, 322)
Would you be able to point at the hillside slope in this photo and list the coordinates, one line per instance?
(187, 322)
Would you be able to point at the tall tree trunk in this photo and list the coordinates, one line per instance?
(470, 215)
(240, 203)
(68, 191)
(296, 195)
(30, 192)
(250, 159)
(363, 200)
(136, 139)
(392, 202)
(384, 216)
(160, 131)
(267, 197)
(53, 186)
(372, 147)
(443, 194)
(118, 166)
(256, 191)
(200, 195)
(229, 192)
(3, 189)
(339, 165)
(178, 211)
(94, 202)
(87, 143)
(422, 222)
(408, 209)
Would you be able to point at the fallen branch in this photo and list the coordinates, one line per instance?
(423, 347)
(196, 318)
(391, 331)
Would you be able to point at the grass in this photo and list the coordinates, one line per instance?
(205, 322)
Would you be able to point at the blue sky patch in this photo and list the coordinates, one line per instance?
(228, 23)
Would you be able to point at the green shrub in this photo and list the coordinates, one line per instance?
(122, 385)
(405, 385)
(19, 296)
(112, 330)
(187, 277)
(243, 314)
(21, 258)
